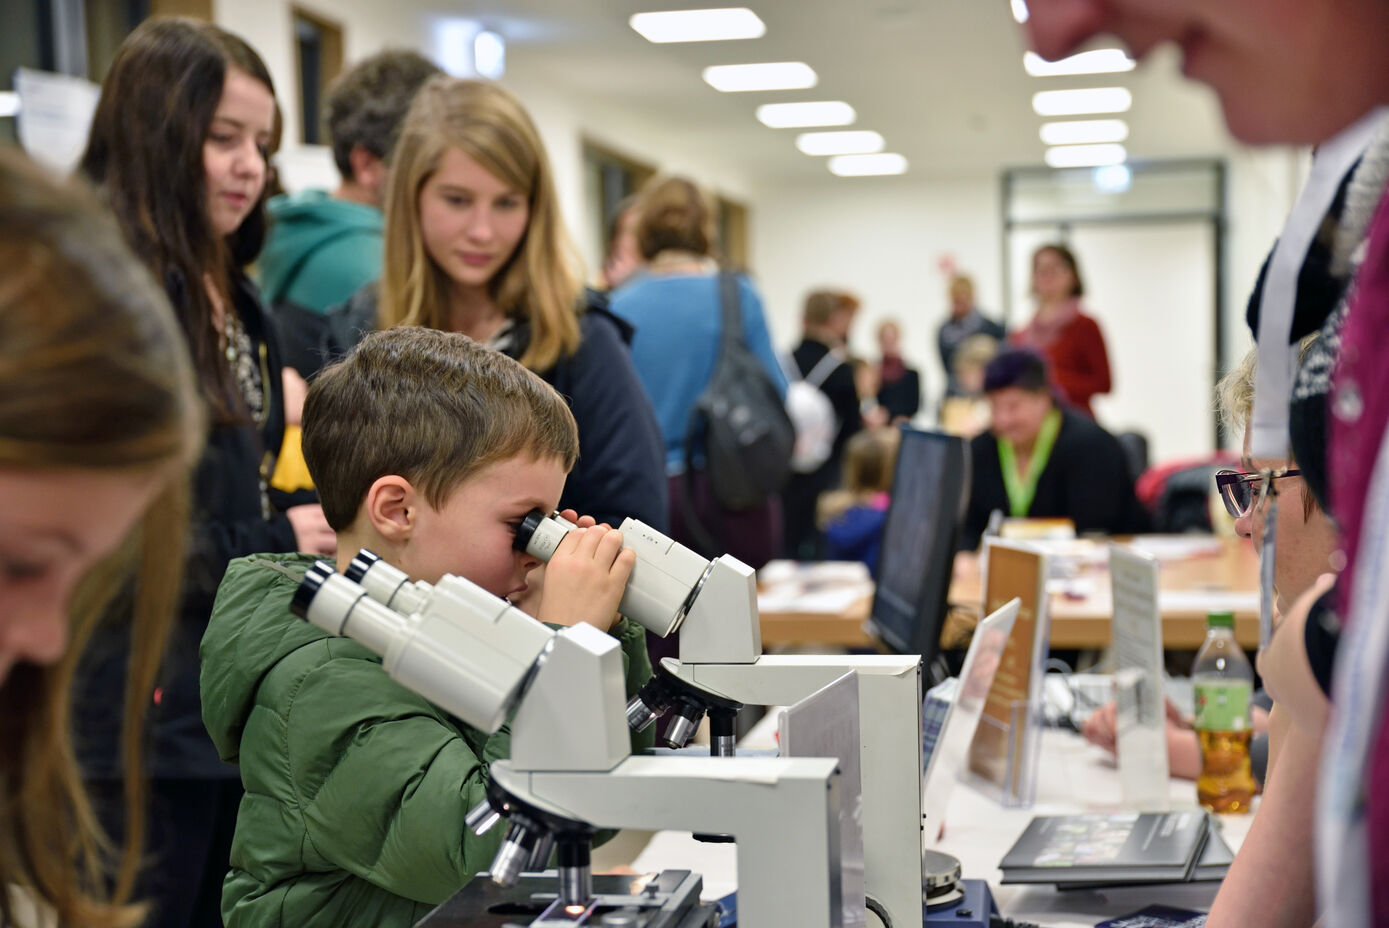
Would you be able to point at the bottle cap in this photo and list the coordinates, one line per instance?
(1220, 620)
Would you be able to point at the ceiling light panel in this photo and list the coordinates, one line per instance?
(853, 142)
(1099, 61)
(775, 75)
(805, 115)
(1085, 156)
(867, 165)
(698, 25)
(1080, 102)
(1084, 131)
(1019, 10)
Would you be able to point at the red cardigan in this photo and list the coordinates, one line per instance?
(1078, 360)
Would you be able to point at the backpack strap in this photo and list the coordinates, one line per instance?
(827, 365)
(732, 312)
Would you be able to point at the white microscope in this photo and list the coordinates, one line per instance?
(713, 607)
(570, 769)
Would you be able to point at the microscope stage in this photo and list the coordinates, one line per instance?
(669, 899)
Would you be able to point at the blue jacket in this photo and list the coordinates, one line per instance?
(678, 326)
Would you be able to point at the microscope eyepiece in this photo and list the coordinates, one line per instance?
(526, 530)
(313, 581)
(361, 563)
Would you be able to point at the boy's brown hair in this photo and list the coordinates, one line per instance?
(433, 407)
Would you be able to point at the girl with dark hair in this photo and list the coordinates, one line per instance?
(99, 425)
(1070, 340)
(178, 149)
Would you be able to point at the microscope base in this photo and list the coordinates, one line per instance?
(970, 911)
(669, 899)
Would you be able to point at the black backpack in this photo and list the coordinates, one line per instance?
(740, 419)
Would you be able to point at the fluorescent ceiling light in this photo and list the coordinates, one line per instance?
(1020, 10)
(803, 115)
(1084, 131)
(1099, 61)
(1085, 156)
(698, 25)
(866, 165)
(775, 75)
(1077, 102)
(853, 142)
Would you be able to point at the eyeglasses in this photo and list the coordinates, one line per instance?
(1238, 490)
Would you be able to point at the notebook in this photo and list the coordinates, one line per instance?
(1108, 848)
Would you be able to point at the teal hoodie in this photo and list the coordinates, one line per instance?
(356, 787)
(319, 250)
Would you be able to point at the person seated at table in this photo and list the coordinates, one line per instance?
(1042, 460)
(1276, 852)
(852, 518)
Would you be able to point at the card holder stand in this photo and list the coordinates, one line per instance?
(1003, 759)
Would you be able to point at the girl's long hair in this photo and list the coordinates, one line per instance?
(94, 375)
(145, 155)
(541, 282)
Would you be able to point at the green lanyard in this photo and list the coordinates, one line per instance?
(1021, 489)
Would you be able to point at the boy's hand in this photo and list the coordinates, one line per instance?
(585, 578)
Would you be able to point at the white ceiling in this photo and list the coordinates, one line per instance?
(942, 80)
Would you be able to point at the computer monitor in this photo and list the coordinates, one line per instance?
(930, 489)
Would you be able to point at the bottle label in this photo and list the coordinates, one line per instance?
(1222, 705)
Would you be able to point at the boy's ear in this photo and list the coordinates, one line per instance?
(391, 507)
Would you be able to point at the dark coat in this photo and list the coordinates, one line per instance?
(621, 467)
(228, 522)
(1086, 480)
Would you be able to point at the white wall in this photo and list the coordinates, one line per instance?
(882, 239)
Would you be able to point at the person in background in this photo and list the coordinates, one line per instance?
(178, 151)
(675, 305)
(964, 322)
(852, 518)
(475, 243)
(826, 320)
(99, 426)
(1070, 340)
(321, 246)
(899, 386)
(623, 254)
(1043, 461)
(967, 414)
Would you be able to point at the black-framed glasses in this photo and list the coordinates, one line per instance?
(1238, 490)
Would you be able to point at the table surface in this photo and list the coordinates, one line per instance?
(1073, 777)
(1197, 575)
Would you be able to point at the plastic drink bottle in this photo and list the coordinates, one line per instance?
(1223, 683)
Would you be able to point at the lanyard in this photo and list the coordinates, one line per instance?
(1277, 358)
(1267, 553)
(1021, 489)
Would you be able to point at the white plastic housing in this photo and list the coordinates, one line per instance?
(665, 574)
(466, 651)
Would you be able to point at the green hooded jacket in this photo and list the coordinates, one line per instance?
(319, 250)
(356, 788)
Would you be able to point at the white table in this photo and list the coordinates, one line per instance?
(1073, 777)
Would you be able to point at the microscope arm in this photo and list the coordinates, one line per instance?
(890, 696)
(783, 812)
